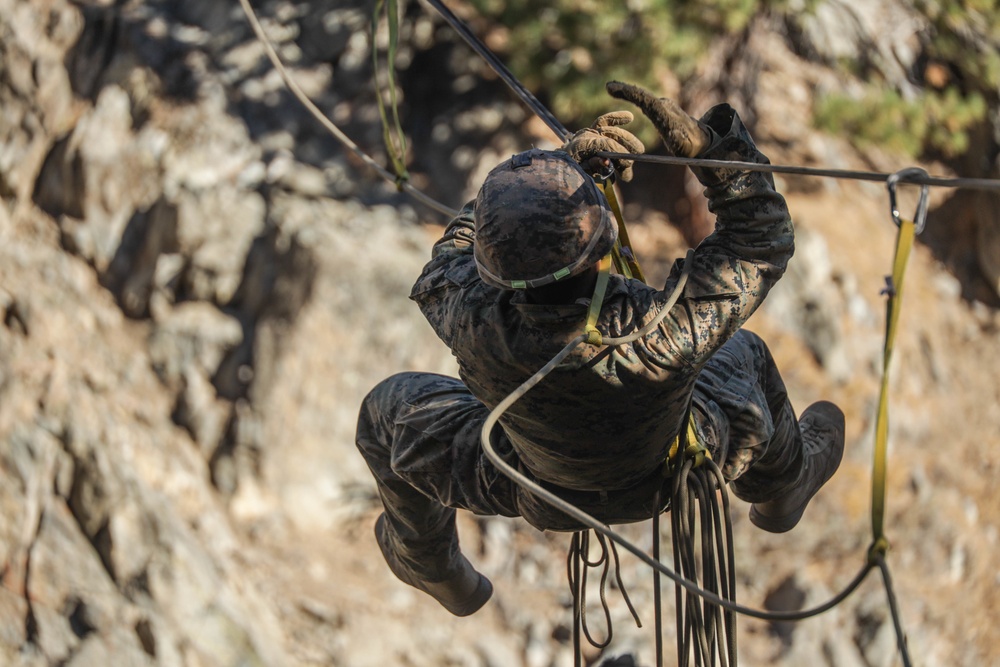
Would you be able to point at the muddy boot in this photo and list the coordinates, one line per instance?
(462, 593)
(822, 427)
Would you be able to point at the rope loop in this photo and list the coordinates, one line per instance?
(577, 564)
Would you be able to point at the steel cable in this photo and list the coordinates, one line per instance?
(847, 174)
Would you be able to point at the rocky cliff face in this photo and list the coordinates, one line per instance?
(198, 286)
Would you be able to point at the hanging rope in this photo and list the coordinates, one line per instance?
(578, 564)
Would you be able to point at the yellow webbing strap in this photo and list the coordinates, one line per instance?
(904, 243)
(907, 231)
(594, 312)
(624, 258)
(694, 448)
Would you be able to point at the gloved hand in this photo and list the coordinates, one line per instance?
(683, 135)
(605, 135)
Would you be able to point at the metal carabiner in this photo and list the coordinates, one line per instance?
(903, 175)
(607, 176)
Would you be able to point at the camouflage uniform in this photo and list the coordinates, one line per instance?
(596, 429)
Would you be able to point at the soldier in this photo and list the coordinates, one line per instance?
(509, 285)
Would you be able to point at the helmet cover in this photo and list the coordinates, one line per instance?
(540, 218)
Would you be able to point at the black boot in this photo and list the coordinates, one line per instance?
(822, 427)
(462, 593)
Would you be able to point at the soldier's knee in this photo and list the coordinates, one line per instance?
(389, 389)
(382, 405)
(376, 415)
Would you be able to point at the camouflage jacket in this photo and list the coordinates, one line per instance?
(605, 417)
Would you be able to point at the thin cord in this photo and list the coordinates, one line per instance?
(937, 181)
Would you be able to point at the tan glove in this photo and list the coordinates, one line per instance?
(605, 135)
(683, 135)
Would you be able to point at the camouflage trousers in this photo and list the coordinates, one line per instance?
(420, 435)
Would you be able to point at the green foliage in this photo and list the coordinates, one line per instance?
(963, 44)
(565, 50)
(966, 33)
(935, 120)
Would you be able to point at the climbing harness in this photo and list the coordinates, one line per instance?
(718, 593)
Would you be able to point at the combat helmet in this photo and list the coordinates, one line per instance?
(540, 218)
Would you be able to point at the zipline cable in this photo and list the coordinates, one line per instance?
(847, 174)
(501, 70)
